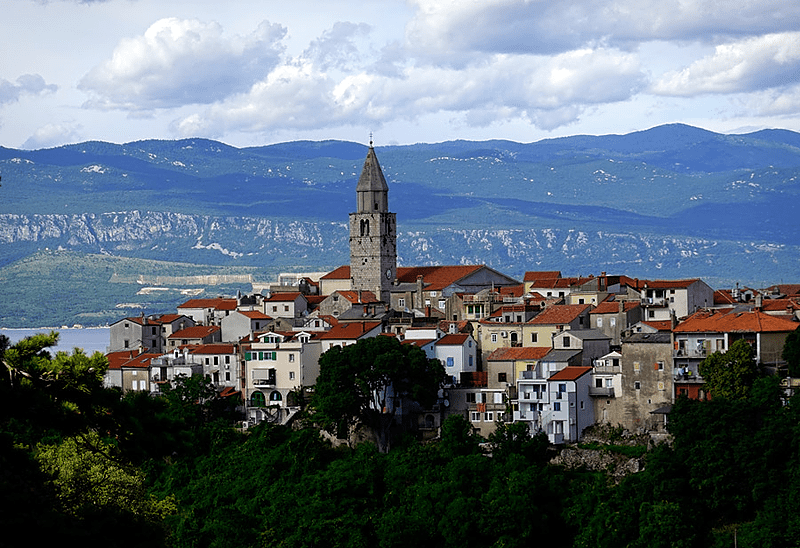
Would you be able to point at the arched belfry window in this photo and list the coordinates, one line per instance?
(376, 206)
(365, 227)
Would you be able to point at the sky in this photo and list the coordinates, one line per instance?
(256, 72)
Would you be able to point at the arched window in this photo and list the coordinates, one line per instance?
(257, 399)
(275, 396)
(365, 227)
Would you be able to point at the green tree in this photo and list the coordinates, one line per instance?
(730, 374)
(791, 352)
(363, 384)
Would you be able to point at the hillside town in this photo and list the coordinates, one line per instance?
(555, 352)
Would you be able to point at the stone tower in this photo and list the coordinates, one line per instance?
(373, 236)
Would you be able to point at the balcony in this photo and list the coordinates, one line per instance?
(608, 369)
(603, 391)
(690, 353)
(264, 382)
(654, 302)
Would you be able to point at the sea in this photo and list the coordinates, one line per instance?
(90, 339)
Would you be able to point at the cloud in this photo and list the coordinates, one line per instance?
(753, 64)
(27, 84)
(546, 91)
(52, 135)
(338, 47)
(446, 31)
(178, 62)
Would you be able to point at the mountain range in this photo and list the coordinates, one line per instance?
(671, 202)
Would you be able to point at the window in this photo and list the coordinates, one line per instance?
(275, 396)
(470, 361)
(474, 416)
(291, 375)
(142, 385)
(208, 362)
(581, 301)
(498, 397)
(613, 322)
(659, 366)
(257, 399)
(566, 341)
(501, 377)
(488, 416)
(427, 302)
(494, 338)
(433, 293)
(534, 337)
(291, 357)
(450, 361)
(126, 343)
(227, 359)
(470, 397)
(581, 404)
(637, 385)
(401, 303)
(442, 302)
(286, 308)
(275, 308)
(216, 360)
(557, 406)
(599, 321)
(562, 387)
(227, 376)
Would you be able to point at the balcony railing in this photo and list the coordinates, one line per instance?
(603, 391)
(690, 353)
(609, 369)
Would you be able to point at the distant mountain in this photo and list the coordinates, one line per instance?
(671, 202)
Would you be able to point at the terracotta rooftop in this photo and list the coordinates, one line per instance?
(255, 314)
(453, 340)
(116, 359)
(349, 330)
(570, 373)
(283, 296)
(217, 303)
(436, 278)
(142, 361)
(359, 297)
(341, 273)
(519, 353)
(541, 275)
(611, 307)
(559, 314)
(195, 332)
(730, 321)
(215, 348)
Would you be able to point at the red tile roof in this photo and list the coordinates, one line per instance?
(436, 278)
(213, 348)
(195, 332)
(729, 321)
(570, 373)
(519, 353)
(359, 297)
(341, 273)
(667, 284)
(559, 314)
(217, 303)
(349, 330)
(255, 314)
(661, 325)
(142, 361)
(611, 307)
(116, 359)
(541, 275)
(453, 340)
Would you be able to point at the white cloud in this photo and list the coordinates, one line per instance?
(338, 47)
(546, 91)
(27, 84)
(449, 30)
(52, 135)
(753, 64)
(178, 62)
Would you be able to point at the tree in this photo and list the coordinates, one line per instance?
(730, 374)
(791, 352)
(364, 383)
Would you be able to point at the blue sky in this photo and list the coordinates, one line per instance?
(259, 72)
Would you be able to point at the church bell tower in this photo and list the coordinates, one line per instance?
(373, 236)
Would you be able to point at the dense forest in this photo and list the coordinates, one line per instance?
(83, 464)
